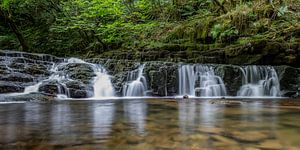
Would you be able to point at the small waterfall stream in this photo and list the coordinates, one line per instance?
(200, 81)
(259, 81)
(25, 73)
(136, 83)
(102, 85)
(63, 91)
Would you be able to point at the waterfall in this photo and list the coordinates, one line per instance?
(63, 91)
(259, 81)
(200, 80)
(136, 83)
(102, 84)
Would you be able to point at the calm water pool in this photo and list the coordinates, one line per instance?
(150, 124)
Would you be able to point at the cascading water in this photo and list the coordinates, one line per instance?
(136, 83)
(102, 84)
(200, 80)
(259, 81)
(63, 91)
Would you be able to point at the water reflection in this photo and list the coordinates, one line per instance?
(187, 115)
(135, 111)
(103, 117)
(257, 111)
(152, 124)
(60, 115)
(209, 113)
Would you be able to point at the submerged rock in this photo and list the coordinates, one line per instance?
(249, 136)
(271, 144)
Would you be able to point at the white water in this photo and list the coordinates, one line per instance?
(136, 83)
(259, 81)
(55, 76)
(200, 80)
(102, 83)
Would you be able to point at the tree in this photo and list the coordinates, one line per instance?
(7, 14)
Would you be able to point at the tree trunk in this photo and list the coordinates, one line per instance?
(15, 30)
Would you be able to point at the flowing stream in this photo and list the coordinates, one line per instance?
(25, 73)
(200, 81)
(136, 83)
(259, 81)
(102, 86)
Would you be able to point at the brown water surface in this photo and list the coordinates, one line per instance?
(150, 124)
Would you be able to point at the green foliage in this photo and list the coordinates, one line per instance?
(282, 10)
(220, 32)
(77, 27)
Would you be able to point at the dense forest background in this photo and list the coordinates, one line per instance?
(107, 28)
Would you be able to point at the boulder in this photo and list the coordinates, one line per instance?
(52, 87)
(79, 90)
(232, 76)
(79, 71)
(289, 80)
(162, 78)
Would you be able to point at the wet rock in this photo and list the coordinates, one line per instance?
(17, 77)
(232, 76)
(289, 79)
(37, 69)
(52, 87)
(197, 137)
(75, 85)
(180, 138)
(222, 146)
(79, 90)
(49, 88)
(211, 130)
(7, 87)
(290, 94)
(27, 97)
(134, 139)
(118, 82)
(79, 72)
(80, 93)
(162, 78)
(224, 140)
(144, 146)
(251, 148)
(3, 70)
(17, 66)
